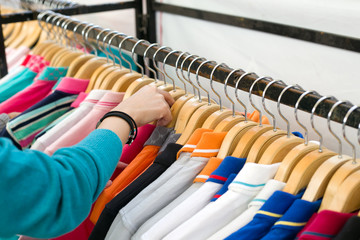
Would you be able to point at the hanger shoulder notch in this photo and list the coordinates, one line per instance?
(278, 149)
(320, 180)
(291, 159)
(263, 143)
(335, 182)
(305, 169)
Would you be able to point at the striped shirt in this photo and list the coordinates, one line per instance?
(22, 129)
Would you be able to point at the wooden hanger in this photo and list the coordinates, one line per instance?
(14, 34)
(63, 58)
(343, 172)
(117, 71)
(305, 169)
(95, 63)
(140, 82)
(347, 198)
(323, 174)
(289, 162)
(8, 29)
(201, 114)
(236, 132)
(190, 107)
(50, 52)
(41, 46)
(279, 142)
(175, 91)
(180, 102)
(247, 141)
(108, 67)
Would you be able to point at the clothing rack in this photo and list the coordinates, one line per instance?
(70, 10)
(318, 37)
(290, 97)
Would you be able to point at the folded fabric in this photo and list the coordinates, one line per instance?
(269, 213)
(4, 118)
(325, 225)
(62, 127)
(161, 163)
(34, 93)
(207, 147)
(270, 187)
(351, 230)
(87, 124)
(193, 203)
(141, 162)
(247, 184)
(22, 129)
(295, 218)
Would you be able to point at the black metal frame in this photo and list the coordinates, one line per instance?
(318, 37)
(79, 9)
(146, 29)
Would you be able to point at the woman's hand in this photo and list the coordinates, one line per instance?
(147, 105)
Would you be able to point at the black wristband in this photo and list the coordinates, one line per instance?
(127, 118)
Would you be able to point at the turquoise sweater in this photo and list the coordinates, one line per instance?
(43, 196)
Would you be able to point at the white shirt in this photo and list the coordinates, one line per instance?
(247, 184)
(133, 219)
(243, 219)
(170, 172)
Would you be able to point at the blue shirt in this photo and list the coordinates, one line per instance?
(225, 187)
(269, 213)
(228, 166)
(295, 218)
(43, 196)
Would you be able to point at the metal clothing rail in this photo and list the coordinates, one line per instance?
(290, 97)
(74, 10)
(319, 37)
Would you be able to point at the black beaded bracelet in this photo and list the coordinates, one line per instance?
(127, 118)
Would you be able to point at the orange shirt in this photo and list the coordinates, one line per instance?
(142, 161)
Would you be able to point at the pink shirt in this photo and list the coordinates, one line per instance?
(79, 100)
(80, 130)
(324, 225)
(32, 94)
(17, 56)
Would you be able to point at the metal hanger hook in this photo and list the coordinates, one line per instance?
(329, 125)
(211, 82)
(353, 108)
(98, 40)
(296, 86)
(154, 61)
(120, 52)
(225, 89)
(306, 132)
(164, 69)
(107, 47)
(133, 53)
(110, 48)
(182, 70)
(189, 76)
(198, 82)
(250, 98)
(263, 100)
(177, 73)
(146, 62)
(312, 119)
(236, 93)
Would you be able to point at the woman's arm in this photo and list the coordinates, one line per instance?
(44, 197)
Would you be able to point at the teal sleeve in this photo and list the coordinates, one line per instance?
(43, 196)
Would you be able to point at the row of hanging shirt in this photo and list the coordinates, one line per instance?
(211, 174)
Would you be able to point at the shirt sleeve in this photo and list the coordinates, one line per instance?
(4, 118)
(43, 196)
